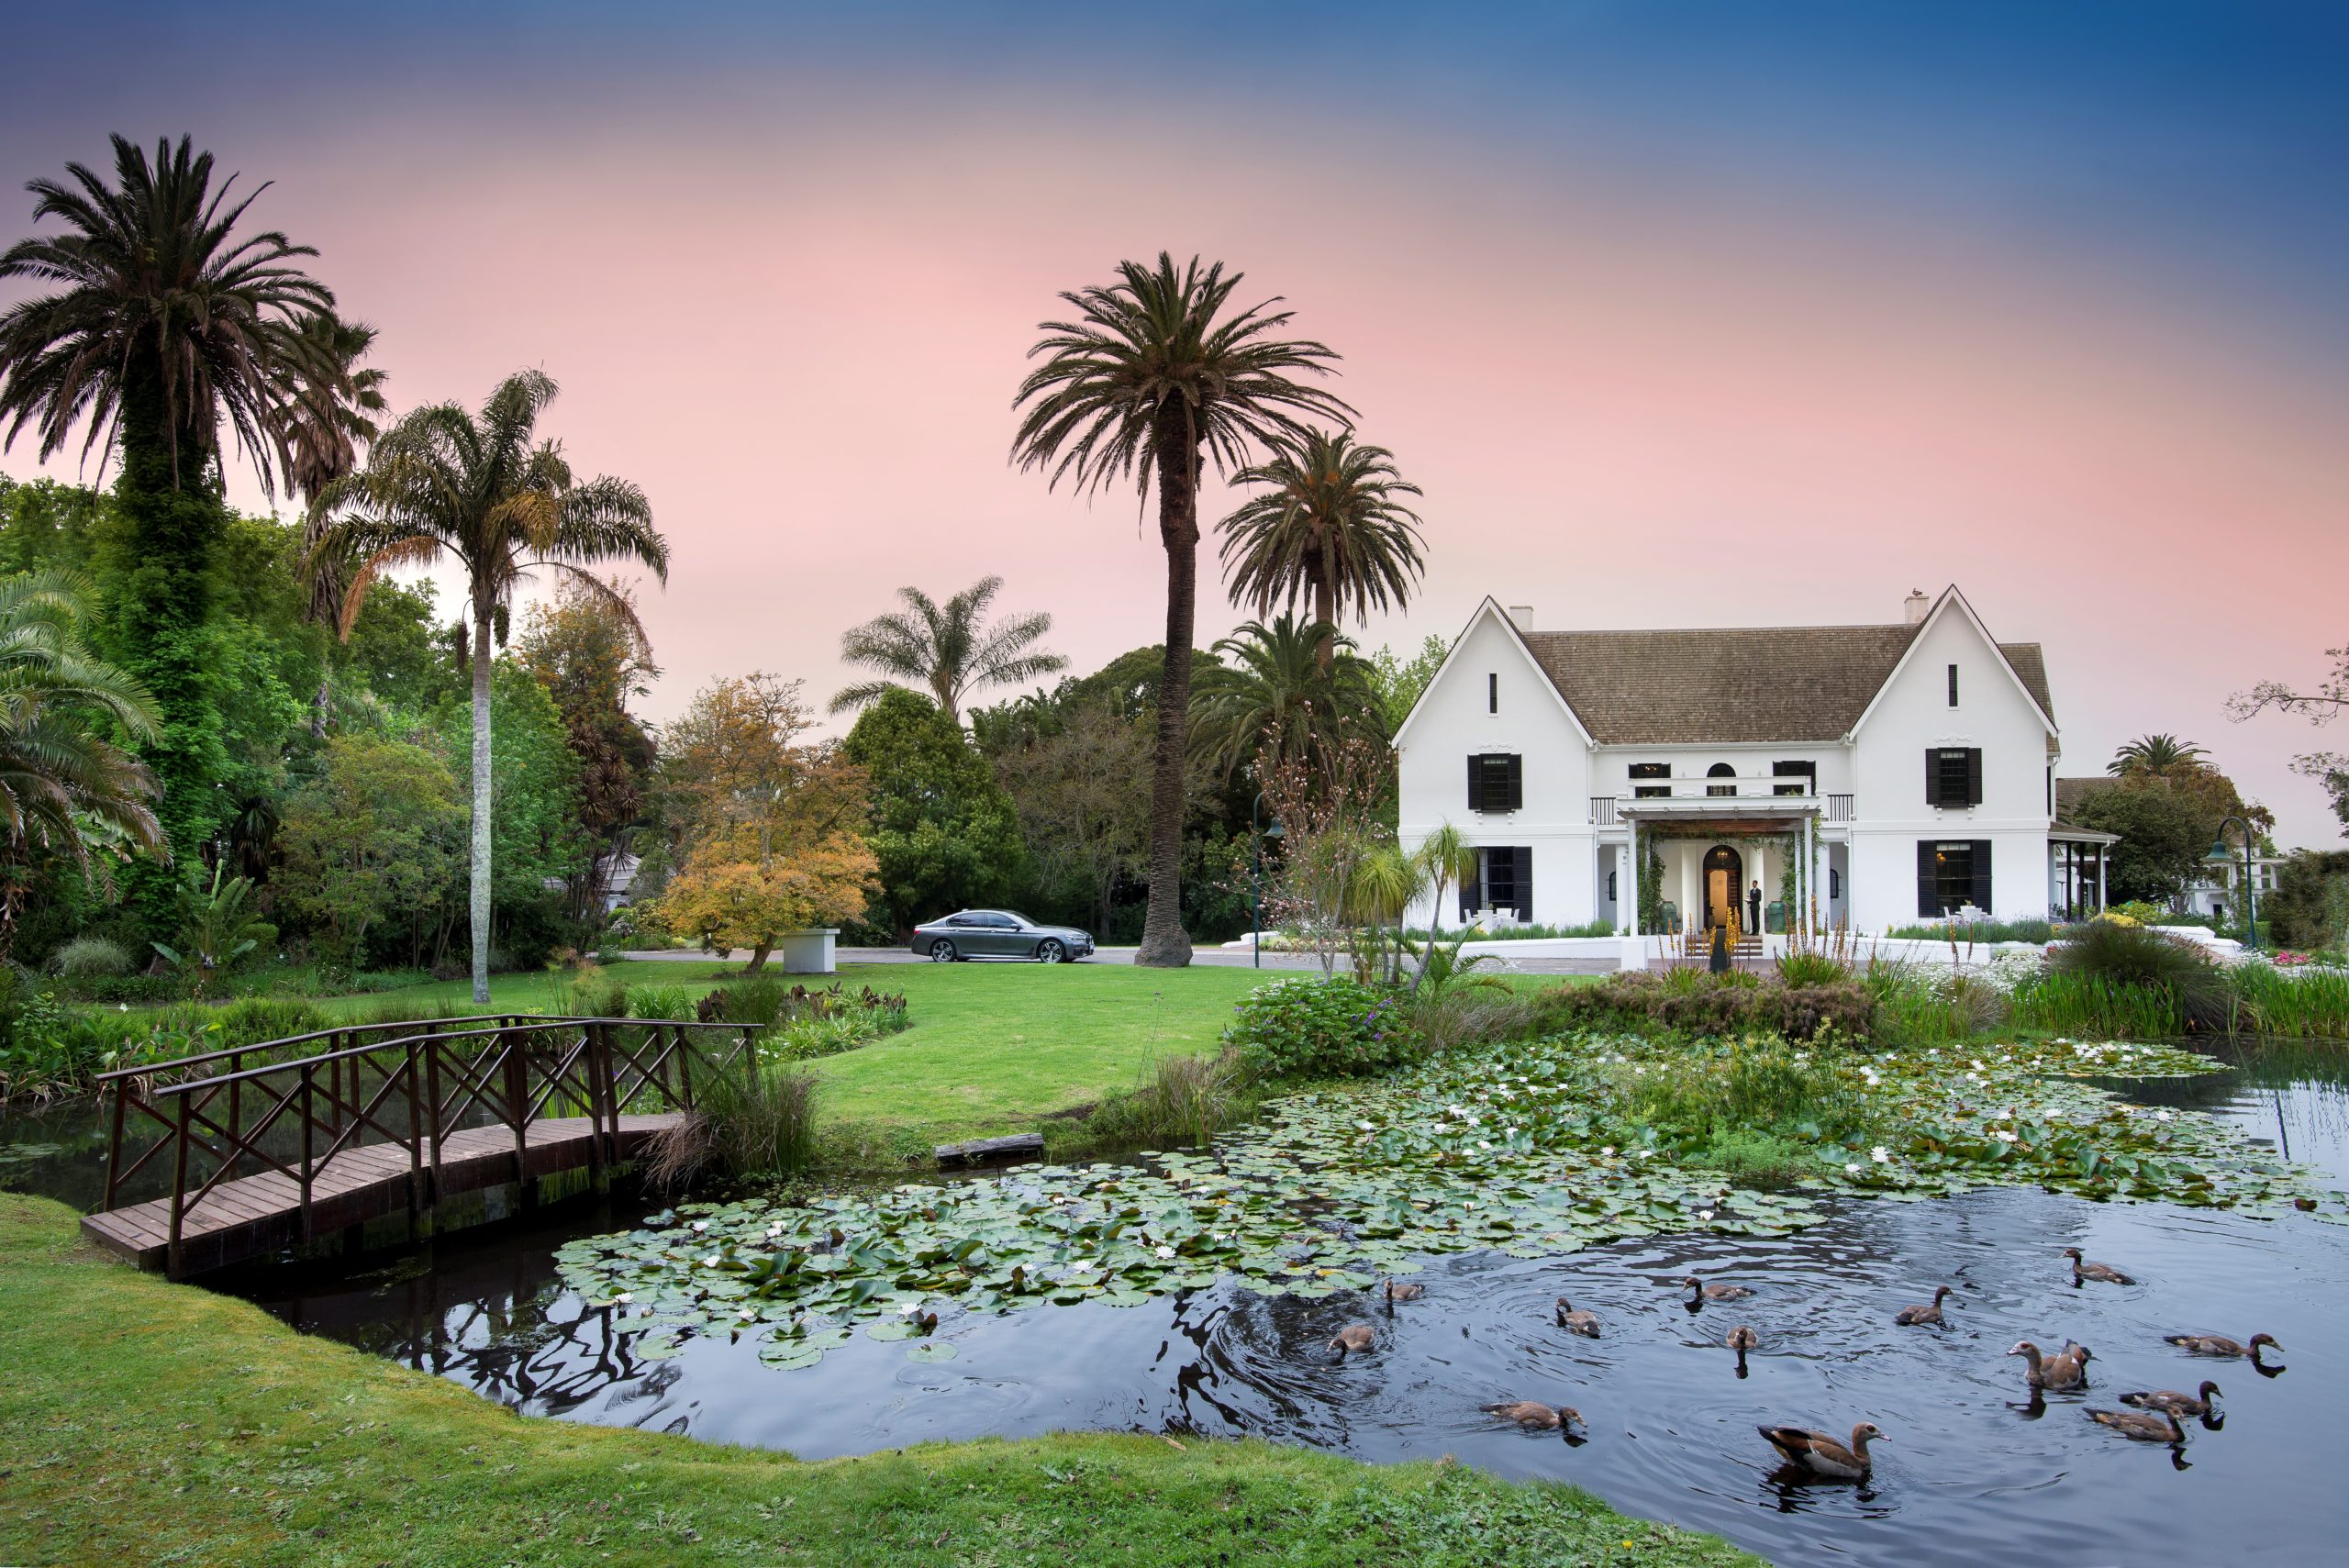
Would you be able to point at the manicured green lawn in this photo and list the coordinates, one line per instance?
(995, 1046)
(528, 992)
(142, 1422)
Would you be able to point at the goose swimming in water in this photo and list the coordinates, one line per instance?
(1909, 1316)
(1699, 1291)
(2171, 1401)
(2068, 1368)
(2105, 1272)
(1823, 1455)
(1535, 1417)
(2219, 1345)
(1405, 1292)
(2146, 1426)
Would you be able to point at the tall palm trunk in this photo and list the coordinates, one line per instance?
(1163, 943)
(480, 800)
(1325, 611)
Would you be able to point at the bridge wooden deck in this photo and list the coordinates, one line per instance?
(277, 1145)
(255, 1216)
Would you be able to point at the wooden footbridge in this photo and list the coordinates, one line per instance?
(261, 1148)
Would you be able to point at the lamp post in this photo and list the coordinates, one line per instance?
(1258, 831)
(2221, 855)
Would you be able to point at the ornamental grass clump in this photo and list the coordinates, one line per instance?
(1183, 1101)
(2102, 962)
(754, 1126)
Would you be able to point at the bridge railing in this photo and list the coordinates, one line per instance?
(246, 1111)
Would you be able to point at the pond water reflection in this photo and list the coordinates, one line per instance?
(1975, 1468)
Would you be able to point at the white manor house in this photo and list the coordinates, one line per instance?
(1861, 777)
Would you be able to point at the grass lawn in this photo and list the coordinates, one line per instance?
(153, 1423)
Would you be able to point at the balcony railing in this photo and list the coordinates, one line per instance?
(1606, 810)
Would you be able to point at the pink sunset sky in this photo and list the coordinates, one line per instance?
(1638, 390)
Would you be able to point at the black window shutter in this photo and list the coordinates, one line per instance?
(1928, 902)
(1933, 777)
(1974, 779)
(1524, 880)
(1516, 783)
(1982, 874)
(1476, 784)
(1470, 888)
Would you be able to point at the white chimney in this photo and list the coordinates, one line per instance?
(1917, 604)
(1523, 616)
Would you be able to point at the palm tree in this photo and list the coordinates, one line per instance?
(1274, 696)
(1154, 378)
(163, 321)
(63, 788)
(326, 414)
(946, 649)
(2157, 755)
(1331, 530)
(442, 482)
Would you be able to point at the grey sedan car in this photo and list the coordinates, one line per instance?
(998, 933)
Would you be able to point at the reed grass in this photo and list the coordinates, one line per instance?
(2312, 1003)
(1181, 1100)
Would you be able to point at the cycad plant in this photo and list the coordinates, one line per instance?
(65, 789)
(1153, 377)
(1329, 530)
(946, 650)
(484, 490)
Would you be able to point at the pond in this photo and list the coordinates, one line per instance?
(1974, 1467)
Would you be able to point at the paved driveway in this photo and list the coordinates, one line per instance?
(1220, 958)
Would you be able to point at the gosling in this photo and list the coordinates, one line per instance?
(1577, 1322)
(1699, 1291)
(1535, 1417)
(1911, 1317)
(1355, 1337)
(2103, 1273)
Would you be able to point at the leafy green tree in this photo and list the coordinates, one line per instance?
(1084, 821)
(2164, 836)
(946, 649)
(1400, 681)
(944, 832)
(1329, 532)
(1153, 379)
(66, 791)
(1273, 694)
(376, 840)
(533, 812)
(164, 322)
(592, 660)
(220, 925)
(441, 481)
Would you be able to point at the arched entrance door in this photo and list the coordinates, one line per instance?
(1724, 877)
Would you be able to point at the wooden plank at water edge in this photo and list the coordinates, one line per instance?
(986, 1151)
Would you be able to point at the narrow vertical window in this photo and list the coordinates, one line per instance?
(1493, 692)
(1953, 685)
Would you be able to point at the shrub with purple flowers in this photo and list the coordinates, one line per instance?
(1312, 1027)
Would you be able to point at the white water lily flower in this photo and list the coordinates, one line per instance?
(2002, 1135)
(1364, 1125)
(1880, 1154)
(711, 1261)
(700, 1225)
(1852, 1168)
(746, 1314)
(1167, 1251)
(622, 1299)
(1608, 1152)
(1482, 1144)
(1647, 1153)
(2162, 1116)
(905, 1309)
(1706, 1215)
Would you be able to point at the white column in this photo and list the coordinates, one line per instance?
(1627, 911)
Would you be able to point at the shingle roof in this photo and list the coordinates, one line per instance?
(1735, 685)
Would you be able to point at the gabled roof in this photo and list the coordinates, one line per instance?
(1491, 608)
(1736, 685)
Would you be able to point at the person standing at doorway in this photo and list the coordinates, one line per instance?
(1754, 908)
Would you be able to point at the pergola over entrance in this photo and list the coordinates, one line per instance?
(1705, 824)
(2076, 860)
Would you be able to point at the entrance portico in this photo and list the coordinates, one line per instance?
(1707, 854)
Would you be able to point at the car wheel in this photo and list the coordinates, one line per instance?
(1051, 952)
(941, 952)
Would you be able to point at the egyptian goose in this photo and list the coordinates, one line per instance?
(2171, 1401)
(1405, 1292)
(2068, 1368)
(2219, 1345)
(1910, 1317)
(1355, 1337)
(2146, 1426)
(2104, 1272)
(1823, 1455)
(1699, 1291)
(1577, 1322)
(1535, 1417)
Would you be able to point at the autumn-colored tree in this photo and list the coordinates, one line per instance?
(768, 829)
